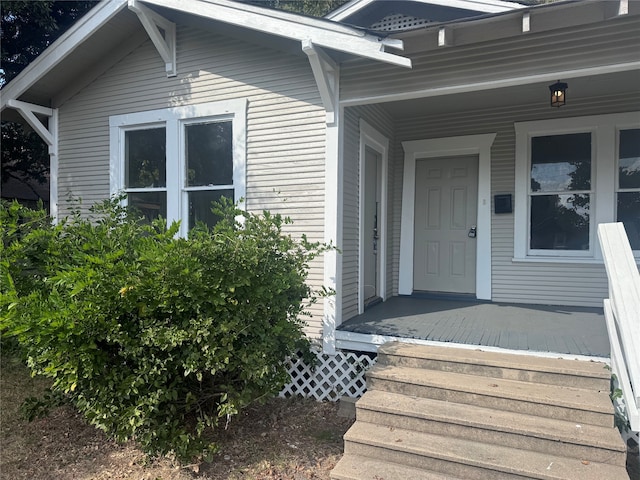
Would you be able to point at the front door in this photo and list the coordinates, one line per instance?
(371, 212)
(445, 224)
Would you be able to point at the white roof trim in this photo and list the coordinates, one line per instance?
(321, 32)
(296, 27)
(60, 49)
(484, 6)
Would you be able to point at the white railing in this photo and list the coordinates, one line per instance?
(622, 314)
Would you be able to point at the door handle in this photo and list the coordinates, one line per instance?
(472, 232)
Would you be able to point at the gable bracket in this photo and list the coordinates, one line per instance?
(28, 112)
(162, 33)
(325, 72)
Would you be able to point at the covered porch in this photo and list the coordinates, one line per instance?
(573, 332)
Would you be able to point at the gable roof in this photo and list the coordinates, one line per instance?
(111, 30)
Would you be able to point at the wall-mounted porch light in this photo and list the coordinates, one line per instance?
(558, 93)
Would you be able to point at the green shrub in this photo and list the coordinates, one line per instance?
(155, 337)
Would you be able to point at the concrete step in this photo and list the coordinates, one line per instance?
(461, 458)
(526, 432)
(355, 467)
(552, 371)
(560, 403)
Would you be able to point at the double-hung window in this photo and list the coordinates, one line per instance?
(560, 194)
(571, 175)
(175, 162)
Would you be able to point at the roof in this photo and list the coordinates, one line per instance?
(366, 13)
(110, 30)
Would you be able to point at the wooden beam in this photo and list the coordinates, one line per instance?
(162, 33)
(28, 112)
(445, 37)
(296, 27)
(325, 72)
(623, 7)
(526, 22)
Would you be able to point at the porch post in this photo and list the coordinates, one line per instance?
(333, 232)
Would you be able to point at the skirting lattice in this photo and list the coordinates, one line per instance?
(333, 376)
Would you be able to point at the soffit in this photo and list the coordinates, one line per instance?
(115, 35)
(580, 88)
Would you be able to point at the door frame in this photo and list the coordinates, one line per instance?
(376, 141)
(479, 145)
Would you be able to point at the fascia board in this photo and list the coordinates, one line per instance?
(482, 6)
(60, 49)
(349, 8)
(321, 32)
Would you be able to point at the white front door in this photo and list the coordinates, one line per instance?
(371, 216)
(445, 224)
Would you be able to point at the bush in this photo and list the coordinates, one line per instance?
(155, 337)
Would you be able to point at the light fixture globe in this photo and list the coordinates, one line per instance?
(558, 94)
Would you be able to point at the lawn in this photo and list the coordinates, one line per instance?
(285, 439)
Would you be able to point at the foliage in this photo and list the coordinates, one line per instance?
(315, 8)
(29, 27)
(155, 337)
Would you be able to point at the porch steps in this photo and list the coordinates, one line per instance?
(433, 412)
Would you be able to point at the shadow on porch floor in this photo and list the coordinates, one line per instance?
(541, 328)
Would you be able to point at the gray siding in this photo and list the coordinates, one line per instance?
(378, 118)
(539, 283)
(285, 124)
(617, 40)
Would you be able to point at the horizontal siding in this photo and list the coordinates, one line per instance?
(518, 282)
(378, 118)
(535, 53)
(285, 125)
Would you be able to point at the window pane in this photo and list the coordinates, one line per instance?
(560, 222)
(629, 214)
(629, 164)
(209, 154)
(561, 163)
(145, 158)
(151, 204)
(200, 206)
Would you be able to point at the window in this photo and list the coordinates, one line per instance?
(560, 193)
(174, 162)
(628, 187)
(571, 175)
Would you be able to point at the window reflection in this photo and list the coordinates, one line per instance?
(561, 163)
(145, 158)
(628, 202)
(560, 222)
(200, 206)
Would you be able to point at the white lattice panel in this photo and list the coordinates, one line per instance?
(334, 376)
(398, 22)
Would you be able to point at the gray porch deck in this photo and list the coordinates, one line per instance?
(539, 328)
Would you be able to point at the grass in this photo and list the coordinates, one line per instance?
(291, 439)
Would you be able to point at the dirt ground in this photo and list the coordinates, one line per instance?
(285, 439)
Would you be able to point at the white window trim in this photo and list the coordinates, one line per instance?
(174, 119)
(372, 138)
(604, 130)
(442, 147)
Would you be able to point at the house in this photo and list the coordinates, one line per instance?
(419, 137)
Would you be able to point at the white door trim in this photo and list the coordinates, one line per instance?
(372, 138)
(443, 147)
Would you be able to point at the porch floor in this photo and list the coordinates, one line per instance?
(540, 328)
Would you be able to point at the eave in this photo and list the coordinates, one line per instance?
(110, 30)
(321, 32)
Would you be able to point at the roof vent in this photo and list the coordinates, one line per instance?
(398, 22)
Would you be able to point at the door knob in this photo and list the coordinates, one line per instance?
(472, 232)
